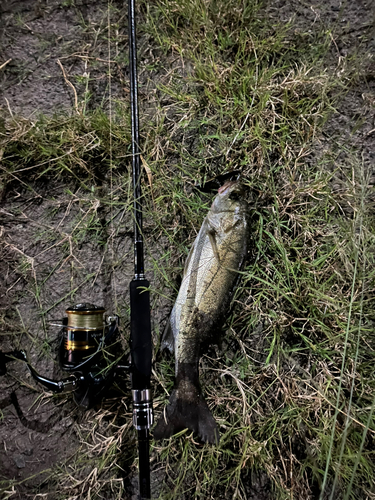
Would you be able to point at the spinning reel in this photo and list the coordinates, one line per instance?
(84, 336)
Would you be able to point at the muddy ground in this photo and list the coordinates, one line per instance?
(40, 41)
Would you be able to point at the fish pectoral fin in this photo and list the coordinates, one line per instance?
(211, 236)
(167, 341)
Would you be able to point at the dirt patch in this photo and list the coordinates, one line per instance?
(42, 40)
(35, 436)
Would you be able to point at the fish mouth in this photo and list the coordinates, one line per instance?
(230, 186)
(212, 185)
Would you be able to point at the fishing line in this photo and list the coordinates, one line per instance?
(361, 249)
(347, 420)
(340, 383)
(112, 227)
(329, 457)
(359, 454)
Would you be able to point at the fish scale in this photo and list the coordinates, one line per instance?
(210, 274)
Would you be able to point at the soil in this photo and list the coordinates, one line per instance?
(38, 431)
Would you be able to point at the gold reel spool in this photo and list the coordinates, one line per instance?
(85, 319)
(85, 326)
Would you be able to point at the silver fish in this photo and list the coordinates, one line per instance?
(210, 274)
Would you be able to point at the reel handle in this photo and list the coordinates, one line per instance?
(57, 386)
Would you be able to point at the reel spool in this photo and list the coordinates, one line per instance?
(82, 336)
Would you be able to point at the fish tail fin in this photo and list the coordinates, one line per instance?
(187, 412)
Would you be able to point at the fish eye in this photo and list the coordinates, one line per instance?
(235, 196)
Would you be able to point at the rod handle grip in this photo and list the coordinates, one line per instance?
(140, 333)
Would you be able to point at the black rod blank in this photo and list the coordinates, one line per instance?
(138, 238)
(140, 321)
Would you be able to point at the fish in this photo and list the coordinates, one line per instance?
(210, 275)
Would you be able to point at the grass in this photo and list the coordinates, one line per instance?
(222, 86)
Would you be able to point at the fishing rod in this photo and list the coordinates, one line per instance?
(140, 320)
(85, 334)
